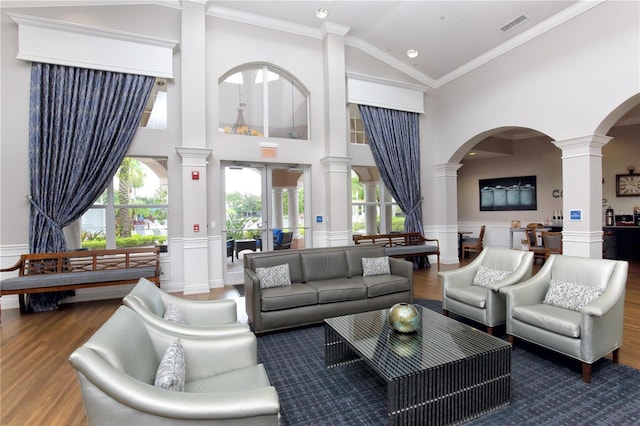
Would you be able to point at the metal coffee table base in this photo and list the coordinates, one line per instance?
(454, 392)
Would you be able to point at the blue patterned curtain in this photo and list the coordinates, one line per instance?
(82, 122)
(394, 139)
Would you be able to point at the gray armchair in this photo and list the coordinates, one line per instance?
(204, 318)
(586, 333)
(224, 384)
(484, 304)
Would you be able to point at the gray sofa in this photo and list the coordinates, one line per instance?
(325, 282)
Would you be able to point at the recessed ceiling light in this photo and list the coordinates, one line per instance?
(322, 13)
(412, 53)
(472, 153)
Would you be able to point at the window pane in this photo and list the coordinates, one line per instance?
(146, 226)
(241, 99)
(155, 111)
(244, 95)
(133, 211)
(287, 110)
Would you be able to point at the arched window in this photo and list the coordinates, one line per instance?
(263, 100)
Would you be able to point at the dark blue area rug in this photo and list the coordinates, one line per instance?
(546, 388)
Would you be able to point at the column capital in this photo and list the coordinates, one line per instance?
(581, 146)
(336, 164)
(447, 169)
(192, 156)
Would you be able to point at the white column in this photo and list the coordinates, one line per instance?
(292, 193)
(582, 193)
(336, 228)
(194, 219)
(337, 171)
(276, 198)
(445, 206)
(193, 54)
(371, 211)
(195, 251)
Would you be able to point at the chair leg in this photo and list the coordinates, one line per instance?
(615, 355)
(445, 312)
(511, 339)
(490, 330)
(586, 372)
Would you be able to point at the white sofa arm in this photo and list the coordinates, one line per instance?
(200, 329)
(204, 312)
(462, 276)
(531, 291)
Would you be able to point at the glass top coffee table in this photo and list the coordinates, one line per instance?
(447, 372)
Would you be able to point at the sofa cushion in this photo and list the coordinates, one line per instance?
(558, 320)
(339, 290)
(173, 314)
(486, 275)
(324, 265)
(268, 260)
(293, 296)
(355, 255)
(380, 285)
(375, 266)
(172, 369)
(410, 249)
(274, 276)
(569, 295)
(472, 295)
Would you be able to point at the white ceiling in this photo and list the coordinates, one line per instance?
(452, 37)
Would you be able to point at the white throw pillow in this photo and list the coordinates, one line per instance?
(569, 295)
(275, 276)
(486, 275)
(172, 368)
(173, 314)
(375, 266)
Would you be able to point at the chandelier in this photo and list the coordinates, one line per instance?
(240, 127)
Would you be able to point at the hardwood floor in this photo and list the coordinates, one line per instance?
(39, 387)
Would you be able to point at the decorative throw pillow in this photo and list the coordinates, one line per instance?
(569, 295)
(275, 276)
(173, 314)
(486, 275)
(171, 371)
(375, 266)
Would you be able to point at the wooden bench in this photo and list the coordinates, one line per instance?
(404, 245)
(70, 270)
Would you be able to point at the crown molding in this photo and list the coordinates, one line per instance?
(263, 21)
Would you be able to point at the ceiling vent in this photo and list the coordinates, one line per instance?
(514, 23)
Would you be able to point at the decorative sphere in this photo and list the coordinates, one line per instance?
(404, 318)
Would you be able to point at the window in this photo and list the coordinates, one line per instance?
(133, 210)
(356, 129)
(374, 211)
(155, 111)
(262, 100)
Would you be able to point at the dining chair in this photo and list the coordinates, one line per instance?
(532, 244)
(552, 242)
(473, 244)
